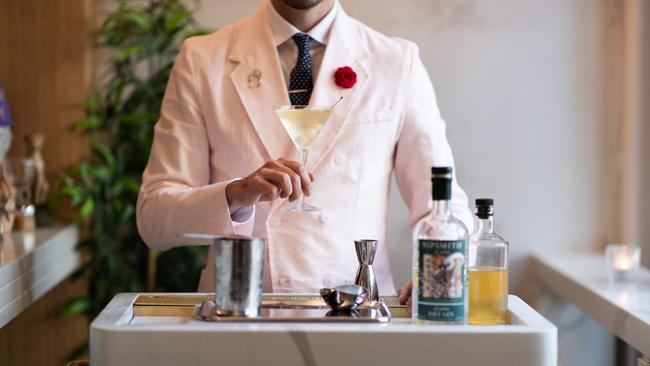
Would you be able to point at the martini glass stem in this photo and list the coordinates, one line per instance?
(302, 156)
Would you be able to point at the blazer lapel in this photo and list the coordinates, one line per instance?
(343, 49)
(260, 84)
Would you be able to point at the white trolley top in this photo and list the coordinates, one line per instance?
(118, 337)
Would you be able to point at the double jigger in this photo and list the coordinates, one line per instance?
(350, 297)
(365, 277)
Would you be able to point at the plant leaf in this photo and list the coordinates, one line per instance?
(105, 153)
(128, 52)
(100, 172)
(136, 118)
(174, 22)
(130, 184)
(87, 208)
(77, 306)
(86, 123)
(139, 18)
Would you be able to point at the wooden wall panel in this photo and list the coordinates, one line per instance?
(39, 337)
(44, 62)
(44, 66)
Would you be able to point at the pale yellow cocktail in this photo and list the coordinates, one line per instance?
(303, 124)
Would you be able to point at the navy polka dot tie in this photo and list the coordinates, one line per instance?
(300, 83)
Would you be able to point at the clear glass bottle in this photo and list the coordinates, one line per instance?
(488, 269)
(440, 259)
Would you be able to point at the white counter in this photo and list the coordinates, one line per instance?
(117, 337)
(581, 278)
(31, 264)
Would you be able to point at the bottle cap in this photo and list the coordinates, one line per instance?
(484, 207)
(441, 183)
(484, 202)
(444, 172)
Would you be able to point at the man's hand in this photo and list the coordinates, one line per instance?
(275, 179)
(404, 295)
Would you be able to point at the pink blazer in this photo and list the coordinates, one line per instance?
(216, 126)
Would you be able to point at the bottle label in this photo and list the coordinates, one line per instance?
(441, 276)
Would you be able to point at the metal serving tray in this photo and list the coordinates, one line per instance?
(283, 310)
(185, 304)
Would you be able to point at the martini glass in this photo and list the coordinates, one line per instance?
(303, 124)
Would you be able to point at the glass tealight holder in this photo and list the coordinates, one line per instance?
(622, 261)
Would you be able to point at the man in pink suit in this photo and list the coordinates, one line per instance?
(222, 163)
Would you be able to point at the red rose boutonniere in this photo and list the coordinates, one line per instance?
(345, 77)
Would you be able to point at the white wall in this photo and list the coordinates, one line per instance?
(530, 93)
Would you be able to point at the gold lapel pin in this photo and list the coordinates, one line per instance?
(255, 79)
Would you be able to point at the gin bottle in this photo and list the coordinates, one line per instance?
(440, 258)
(488, 269)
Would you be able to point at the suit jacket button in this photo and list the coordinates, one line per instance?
(338, 159)
(324, 218)
(328, 282)
(284, 281)
(354, 174)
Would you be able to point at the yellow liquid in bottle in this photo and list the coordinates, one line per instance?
(488, 295)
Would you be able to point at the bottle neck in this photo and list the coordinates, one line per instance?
(441, 208)
(486, 225)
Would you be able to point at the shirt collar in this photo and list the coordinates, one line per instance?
(283, 30)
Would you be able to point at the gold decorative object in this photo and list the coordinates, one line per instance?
(25, 218)
(20, 173)
(40, 187)
(255, 79)
(7, 202)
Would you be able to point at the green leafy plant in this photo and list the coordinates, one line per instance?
(142, 40)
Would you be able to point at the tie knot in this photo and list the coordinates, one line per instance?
(302, 40)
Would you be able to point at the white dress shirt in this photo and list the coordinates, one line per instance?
(287, 49)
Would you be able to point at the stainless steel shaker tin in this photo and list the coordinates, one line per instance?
(239, 264)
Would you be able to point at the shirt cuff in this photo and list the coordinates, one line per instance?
(242, 214)
(242, 218)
